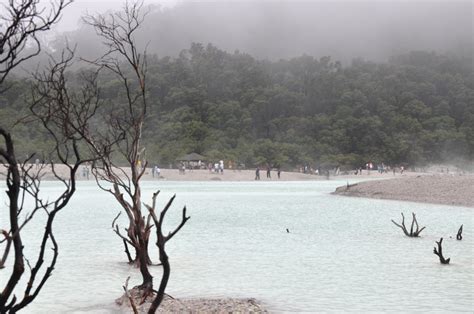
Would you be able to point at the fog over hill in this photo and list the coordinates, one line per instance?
(374, 30)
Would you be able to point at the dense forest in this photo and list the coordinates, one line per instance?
(416, 109)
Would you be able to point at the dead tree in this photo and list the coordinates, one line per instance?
(459, 235)
(125, 122)
(20, 24)
(24, 181)
(439, 252)
(50, 108)
(412, 233)
(161, 243)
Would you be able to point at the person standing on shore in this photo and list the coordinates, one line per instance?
(278, 172)
(257, 173)
(269, 172)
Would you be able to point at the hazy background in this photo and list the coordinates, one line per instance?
(415, 108)
(373, 30)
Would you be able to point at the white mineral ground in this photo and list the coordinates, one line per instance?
(448, 189)
(170, 305)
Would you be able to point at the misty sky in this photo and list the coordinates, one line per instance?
(344, 29)
(72, 15)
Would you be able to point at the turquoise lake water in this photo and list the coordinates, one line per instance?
(341, 255)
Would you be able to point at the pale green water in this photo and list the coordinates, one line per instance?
(343, 254)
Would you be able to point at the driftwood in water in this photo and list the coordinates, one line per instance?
(459, 235)
(439, 252)
(412, 233)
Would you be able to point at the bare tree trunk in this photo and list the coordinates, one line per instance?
(13, 184)
(164, 279)
(147, 283)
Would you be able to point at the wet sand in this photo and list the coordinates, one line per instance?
(455, 189)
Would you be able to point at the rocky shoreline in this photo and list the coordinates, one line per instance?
(456, 190)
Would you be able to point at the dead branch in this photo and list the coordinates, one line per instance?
(459, 235)
(130, 298)
(412, 233)
(6, 251)
(161, 243)
(439, 252)
(21, 183)
(21, 24)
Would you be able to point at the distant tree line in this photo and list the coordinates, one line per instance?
(414, 110)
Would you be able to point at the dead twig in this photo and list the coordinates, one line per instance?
(130, 298)
(459, 235)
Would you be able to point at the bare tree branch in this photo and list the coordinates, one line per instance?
(20, 24)
(439, 252)
(161, 244)
(124, 126)
(412, 233)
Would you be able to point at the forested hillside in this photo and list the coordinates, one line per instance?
(416, 109)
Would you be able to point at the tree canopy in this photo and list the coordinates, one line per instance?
(418, 108)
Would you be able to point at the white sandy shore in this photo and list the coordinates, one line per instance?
(454, 189)
(228, 175)
(249, 175)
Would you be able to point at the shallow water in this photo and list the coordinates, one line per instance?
(342, 254)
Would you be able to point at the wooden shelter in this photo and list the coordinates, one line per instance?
(192, 160)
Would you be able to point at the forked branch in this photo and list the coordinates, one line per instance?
(413, 233)
(161, 243)
(439, 252)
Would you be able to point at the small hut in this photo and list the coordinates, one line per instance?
(192, 161)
